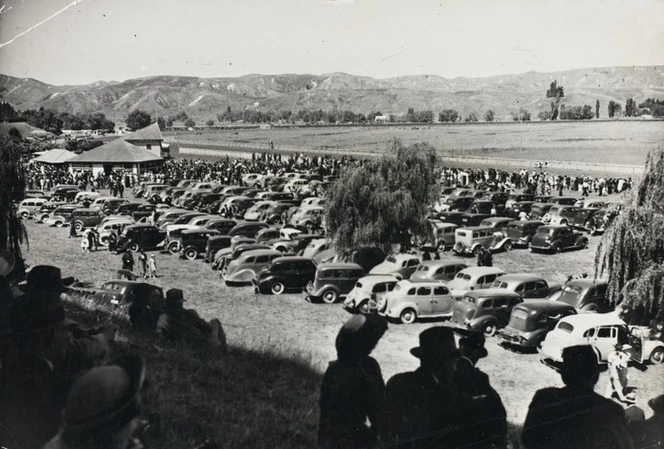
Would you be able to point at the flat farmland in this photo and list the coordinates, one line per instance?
(607, 142)
(288, 327)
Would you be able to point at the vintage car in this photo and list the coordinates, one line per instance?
(285, 273)
(193, 242)
(247, 265)
(45, 210)
(440, 234)
(592, 204)
(471, 240)
(273, 235)
(112, 204)
(409, 301)
(315, 247)
(403, 265)
(248, 229)
(237, 248)
(560, 215)
(586, 295)
(61, 216)
(473, 278)
(457, 203)
(113, 227)
(521, 232)
(333, 281)
(601, 220)
(296, 243)
(517, 198)
(498, 224)
(485, 310)
(563, 200)
(223, 225)
(539, 210)
(140, 236)
(581, 218)
(367, 292)
(168, 217)
(437, 270)
(515, 210)
(555, 239)
(29, 207)
(120, 292)
(602, 331)
(86, 218)
(255, 212)
(65, 194)
(214, 244)
(527, 285)
(86, 196)
(486, 207)
(530, 321)
(472, 219)
(453, 217)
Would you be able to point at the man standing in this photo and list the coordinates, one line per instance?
(128, 261)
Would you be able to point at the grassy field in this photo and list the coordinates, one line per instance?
(615, 142)
(265, 393)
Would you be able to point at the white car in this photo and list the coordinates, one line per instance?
(473, 278)
(368, 290)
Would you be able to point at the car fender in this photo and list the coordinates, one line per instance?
(395, 312)
(478, 323)
(319, 291)
(649, 346)
(243, 275)
(502, 243)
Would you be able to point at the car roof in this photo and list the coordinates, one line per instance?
(339, 265)
(586, 282)
(403, 256)
(475, 228)
(421, 283)
(520, 277)
(199, 231)
(524, 223)
(481, 271)
(587, 320)
(374, 278)
(259, 252)
(498, 219)
(492, 293)
(292, 259)
(441, 263)
(543, 304)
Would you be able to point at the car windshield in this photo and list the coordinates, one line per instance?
(570, 294)
(544, 231)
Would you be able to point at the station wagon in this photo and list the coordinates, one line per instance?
(30, 206)
(333, 281)
(192, 242)
(471, 240)
(409, 301)
(137, 237)
(522, 232)
(86, 218)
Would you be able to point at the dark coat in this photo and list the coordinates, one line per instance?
(424, 411)
(560, 418)
(350, 394)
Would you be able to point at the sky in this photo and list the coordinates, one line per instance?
(82, 41)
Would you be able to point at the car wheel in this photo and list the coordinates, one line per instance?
(277, 288)
(330, 296)
(657, 356)
(59, 223)
(134, 247)
(477, 250)
(564, 222)
(190, 253)
(557, 248)
(364, 306)
(490, 329)
(508, 245)
(593, 230)
(583, 244)
(78, 226)
(43, 218)
(173, 247)
(408, 316)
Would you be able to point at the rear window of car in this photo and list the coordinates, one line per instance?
(391, 259)
(566, 327)
(464, 276)
(499, 284)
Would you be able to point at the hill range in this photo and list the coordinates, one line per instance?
(204, 98)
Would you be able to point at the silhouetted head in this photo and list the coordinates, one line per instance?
(580, 368)
(359, 336)
(437, 348)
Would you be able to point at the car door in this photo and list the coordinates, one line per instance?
(604, 340)
(442, 300)
(411, 266)
(501, 310)
(424, 300)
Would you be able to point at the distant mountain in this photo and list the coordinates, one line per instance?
(204, 98)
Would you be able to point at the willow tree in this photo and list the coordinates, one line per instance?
(12, 189)
(631, 251)
(383, 202)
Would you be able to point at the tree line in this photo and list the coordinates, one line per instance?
(54, 121)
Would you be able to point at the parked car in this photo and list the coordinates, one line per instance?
(517, 198)
(315, 247)
(192, 243)
(140, 236)
(409, 301)
(559, 215)
(233, 252)
(486, 207)
(592, 204)
(602, 332)
(555, 239)
(121, 292)
(111, 205)
(471, 240)
(601, 220)
(530, 321)
(285, 273)
(515, 209)
(367, 257)
(453, 217)
(86, 196)
(29, 207)
(522, 232)
(248, 229)
(223, 225)
(527, 285)
(498, 224)
(485, 310)
(581, 217)
(214, 244)
(539, 210)
(470, 220)
(563, 200)
(45, 210)
(333, 281)
(247, 265)
(586, 295)
(86, 218)
(403, 265)
(113, 226)
(255, 212)
(62, 215)
(473, 278)
(367, 292)
(441, 234)
(437, 270)
(458, 203)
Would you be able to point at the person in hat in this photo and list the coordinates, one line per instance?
(352, 390)
(574, 416)
(152, 266)
(128, 261)
(618, 386)
(179, 324)
(492, 425)
(649, 433)
(143, 264)
(423, 407)
(102, 407)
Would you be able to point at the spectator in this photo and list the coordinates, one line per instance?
(142, 264)
(423, 408)
(649, 433)
(72, 230)
(352, 391)
(128, 261)
(574, 416)
(152, 266)
(102, 406)
(184, 325)
(618, 361)
(85, 242)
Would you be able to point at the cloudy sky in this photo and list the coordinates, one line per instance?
(82, 41)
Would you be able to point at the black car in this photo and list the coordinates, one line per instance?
(137, 237)
(497, 197)
(459, 203)
(515, 209)
(564, 200)
(193, 242)
(272, 214)
(46, 209)
(555, 238)
(473, 219)
(485, 207)
(581, 218)
(453, 217)
(214, 244)
(111, 205)
(539, 210)
(285, 273)
(248, 229)
(601, 220)
(223, 225)
(522, 232)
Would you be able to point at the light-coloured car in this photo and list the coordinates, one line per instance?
(315, 247)
(527, 285)
(113, 226)
(403, 265)
(409, 301)
(245, 268)
(474, 278)
(83, 196)
(472, 239)
(367, 292)
(333, 281)
(438, 270)
(30, 206)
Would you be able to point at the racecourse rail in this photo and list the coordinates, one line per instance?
(246, 150)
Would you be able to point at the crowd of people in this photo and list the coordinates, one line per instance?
(448, 402)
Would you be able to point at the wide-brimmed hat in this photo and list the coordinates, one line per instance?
(475, 341)
(7, 262)
(579, 363)
(657, 404)
(359, 335)
(103, 396)
(46, 279)
(31, 315)
(436, 343)
(174, 296)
